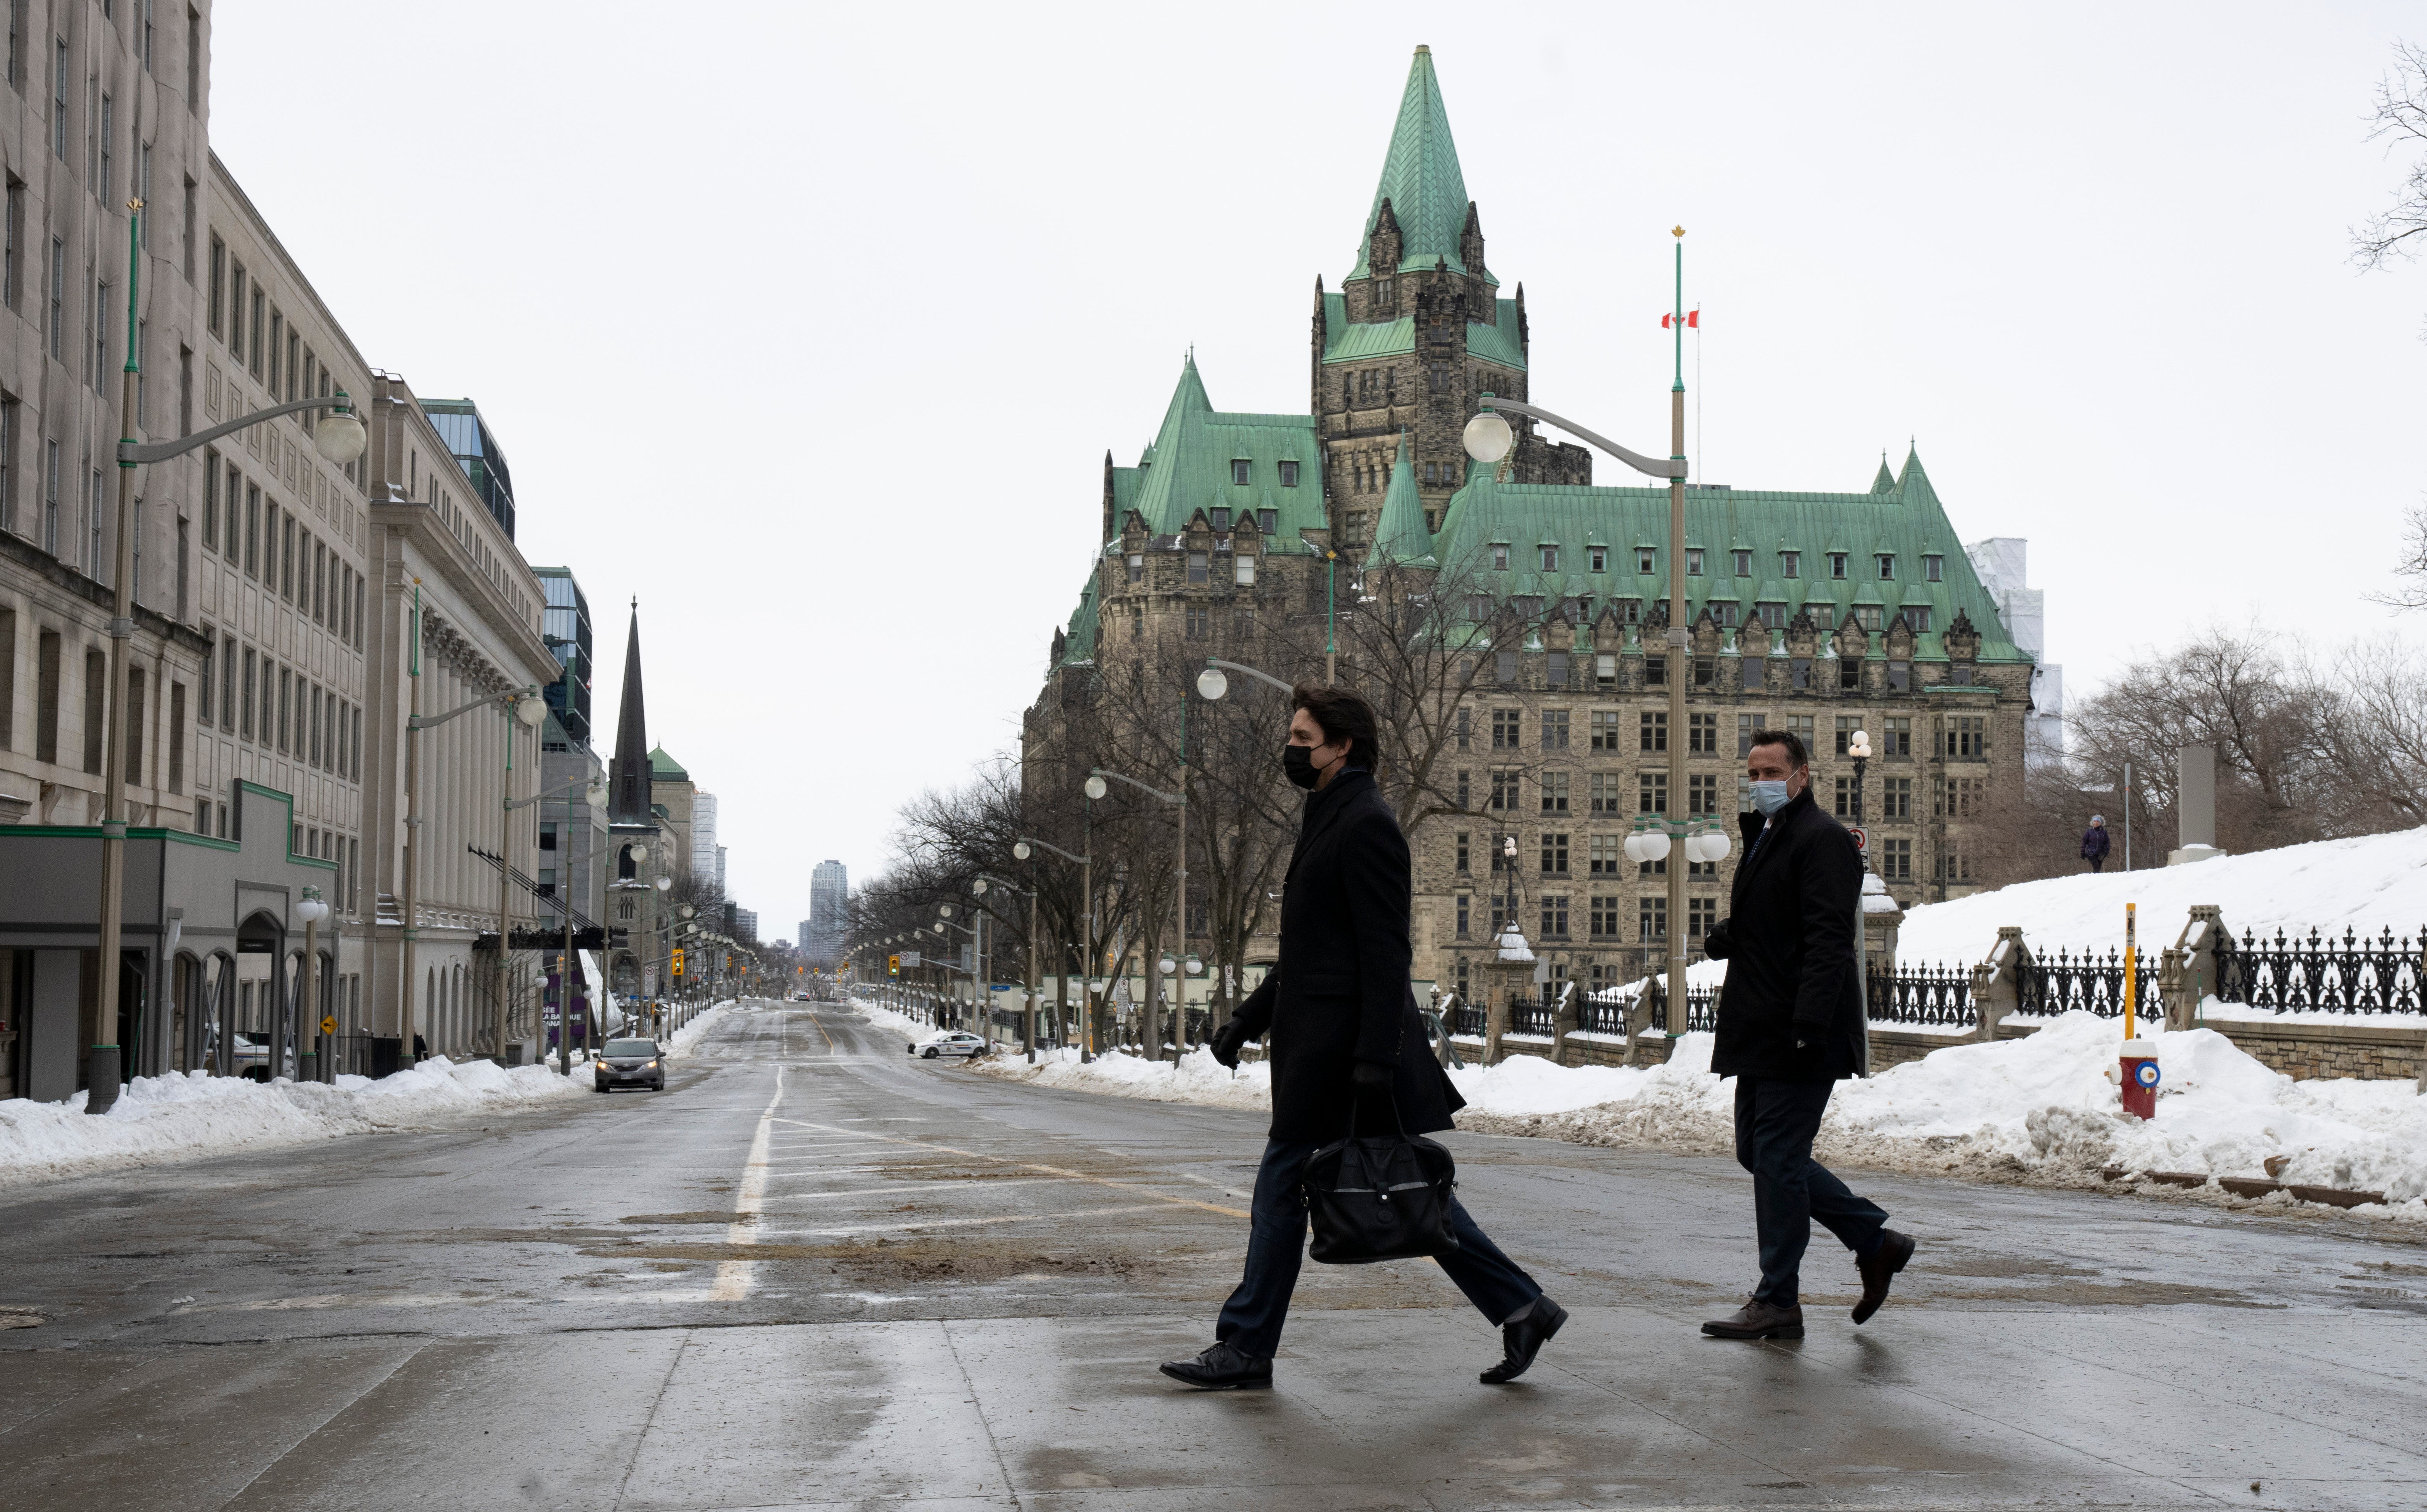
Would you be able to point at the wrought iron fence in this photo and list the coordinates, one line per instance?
(2358, 976)
(1607, 1014)
(1531, 1019)
(2048, 984)
(1599, 1017)
(1469, 1020)
(1932, 996)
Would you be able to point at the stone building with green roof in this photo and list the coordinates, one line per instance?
(1821, 611)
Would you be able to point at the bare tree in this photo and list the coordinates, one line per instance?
(2413, 565)
(2399, 117)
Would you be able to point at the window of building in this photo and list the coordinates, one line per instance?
(1960, 674)
(1606, 918)
(1550, 559)
(1499, 556)
(1896, 798)
(1554, 918)
(1656, 672)
(1555, 855)
(1240, 470)
(1242, 571)
(1954, 861)
(1288, 474)
(1221, 519)
(1555, 729)
(1799, 674)
(1441, 376)
(1647, 561)
(1554, 793)
(1888, 565)
(1604, 730)
(1701, 735)
(1503, 795)
(1743, 563)
(1895, 860)
(1505, 666)
(1790, 565)
(1846, 726)
(59, 102)
(1703, 793)
(1836, 564)
(1752, 673)
(1465, 916)
(13, 215)
(1554, 670)
(1136, 564)
(1604, 789)
(1900, 676)
(1462, 850)
(1896, 737)
(1933, 568)
(1652, 730)
(1267, 520)
(1773, 615)
(1706, 668)
(1693, 562)
(1843, 807)
(1966, 734)
(1197, 561)
(1506, 726)
(1870, 617)
(1597, 559)
(1606, 672)
(1916, 618)
(1651, 918)
(1198, 621)
(1651, 792)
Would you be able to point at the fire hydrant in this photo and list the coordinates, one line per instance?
(2139, 1079)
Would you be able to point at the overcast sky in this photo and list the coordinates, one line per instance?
(809, 325)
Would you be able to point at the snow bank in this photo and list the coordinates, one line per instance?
(880, 1016)
(683, 1041)
(2043, 1110)
(184, 1116)
(2367, 884)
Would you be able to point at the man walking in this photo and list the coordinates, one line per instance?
(1790, 1026)
(1346, 1039)
(2094, 842)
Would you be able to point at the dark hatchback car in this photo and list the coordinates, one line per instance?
(631, 1063)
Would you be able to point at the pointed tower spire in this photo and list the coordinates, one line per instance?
(627, 803)
(1885, 483)
(1420, 179)
(1401, 534)
(1914, 483)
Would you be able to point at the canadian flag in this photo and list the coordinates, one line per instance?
(1693, 319)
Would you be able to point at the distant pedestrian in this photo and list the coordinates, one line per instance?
(1790, 1026)
(1344, 1025)
(2094, 842)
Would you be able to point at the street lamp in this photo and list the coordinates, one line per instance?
(1022, 848)
(594, 794)
(1488, 439)
(311, 909)
(1178, 801)
(339, 438)
(530, 711)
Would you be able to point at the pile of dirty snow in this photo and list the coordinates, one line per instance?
(1197, 1078)
(180, 1116)
(686, 1039)
(2369, 885)
(880, 1016)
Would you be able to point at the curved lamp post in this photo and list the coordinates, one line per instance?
(310, 908)
(1488, 439)
(340, 438)
(1024, 847)
(1028, 983)
(1178, 801)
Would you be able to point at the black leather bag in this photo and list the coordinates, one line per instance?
(1379, 1197)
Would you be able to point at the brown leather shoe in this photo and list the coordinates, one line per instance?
(1880, 1269)
(1758, 1320)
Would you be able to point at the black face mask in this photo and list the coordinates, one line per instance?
(1297, 761)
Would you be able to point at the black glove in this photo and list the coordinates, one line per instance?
(1227, 1042)
(1717, 941)
(1370, 1076)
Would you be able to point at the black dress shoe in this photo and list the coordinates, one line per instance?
(1893, 1251)
(1758, 1320)
(1523, 1337)
(1221, 1369)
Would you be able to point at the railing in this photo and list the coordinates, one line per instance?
(1531, 1019)
(2359, 976)
(1470, 1020)
(2062, 982)
(1934, 996)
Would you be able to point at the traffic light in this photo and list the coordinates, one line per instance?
(893, 965)
(679, 960)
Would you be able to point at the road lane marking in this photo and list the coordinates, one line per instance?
(974, 1223)
(988, 1183)
(1032, 1165)
(734, 1278)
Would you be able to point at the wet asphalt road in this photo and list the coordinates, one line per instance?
(816, 1273)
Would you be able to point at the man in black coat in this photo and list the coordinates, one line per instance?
(1790, 1026)
(1344, 1035)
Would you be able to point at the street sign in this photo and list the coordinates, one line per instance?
(329, 1025)
(910, 958)
(677, 961)
(1862, 842)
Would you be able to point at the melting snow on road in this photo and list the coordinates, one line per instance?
(2043, 1109)
(182, 1116)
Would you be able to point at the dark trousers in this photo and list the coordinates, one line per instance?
(1775, 1123)
(1251, 1320)
(2097, 862)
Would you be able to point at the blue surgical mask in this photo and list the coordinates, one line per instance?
(1770, 797)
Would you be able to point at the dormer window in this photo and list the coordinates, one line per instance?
(1267, 519)
(1790, 565)
(1381, 291)
(1239, 468)
(1550, 559)
(1693, 562)
(1221, 519)
(1933, 568)
(1597, 559)
(1289, 474)
(1837, 564)
(1647, 561)
(1197, 566)
(1743, 563)
(1137, 567)
(1499, 558)
(1888, 565)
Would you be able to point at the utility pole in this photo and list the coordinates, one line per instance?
(104, 1071)
(1680, 648)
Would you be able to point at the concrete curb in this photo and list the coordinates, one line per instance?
(2248, 1186)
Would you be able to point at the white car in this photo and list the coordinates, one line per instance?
(951, 1042)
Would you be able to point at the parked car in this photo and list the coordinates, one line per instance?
(248, 1055)
(630, 1063)
(950, 1042)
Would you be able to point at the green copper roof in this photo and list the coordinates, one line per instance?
(1908, 521)
(1344, 341)
(1401, 535)
(1079, 647)
(1886, 481)
(1421, 178)
(664, 768)
(1193, 468)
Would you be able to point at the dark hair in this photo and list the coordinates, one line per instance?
(1343, 715)
(1797, 756)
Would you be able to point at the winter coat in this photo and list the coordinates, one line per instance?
(2094, 842)
(1788, 940)
(1340, 992)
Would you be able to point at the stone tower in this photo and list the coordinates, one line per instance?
(1417, 333)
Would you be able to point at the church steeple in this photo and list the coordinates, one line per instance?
(1421, 201)
(628, 800)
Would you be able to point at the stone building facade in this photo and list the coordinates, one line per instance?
(1823, 613)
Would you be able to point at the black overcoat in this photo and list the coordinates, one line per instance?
(1340, 992)
(1788, 940)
